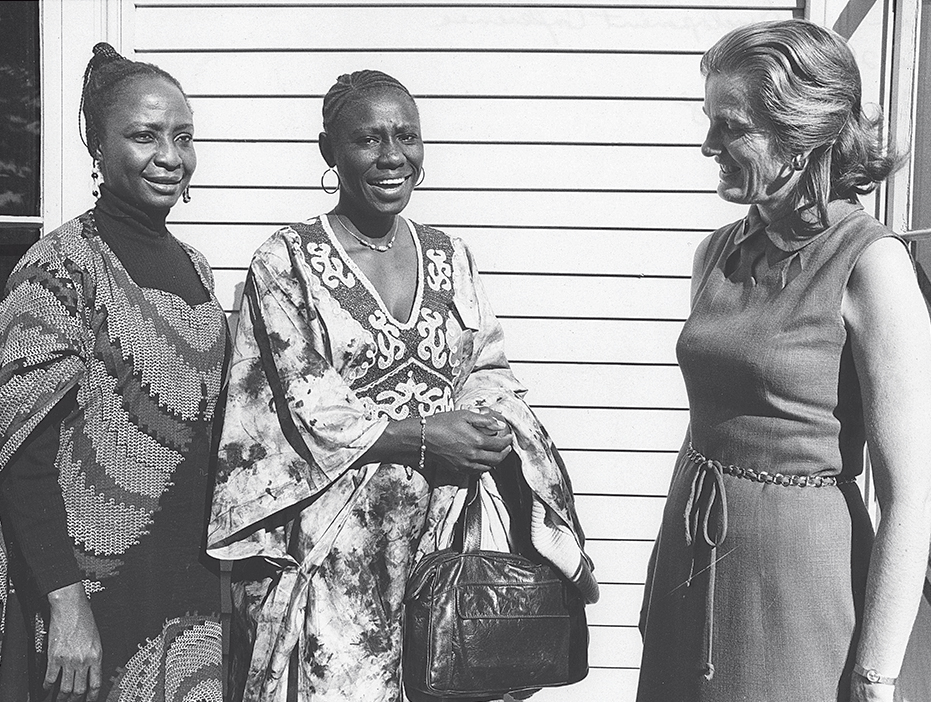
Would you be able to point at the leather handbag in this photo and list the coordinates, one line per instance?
(479, 624)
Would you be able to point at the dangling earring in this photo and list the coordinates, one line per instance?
(420, 179)
(95, 175)
(798, 162)
(335, 188)
(186, 195)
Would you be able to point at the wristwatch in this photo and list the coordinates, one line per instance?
(872, 676)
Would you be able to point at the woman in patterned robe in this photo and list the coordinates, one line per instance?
(113, 351)
(368, 382)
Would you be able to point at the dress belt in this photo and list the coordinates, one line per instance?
(706, 521)
(769, 478)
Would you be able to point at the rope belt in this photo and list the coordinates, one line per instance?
(706, 521)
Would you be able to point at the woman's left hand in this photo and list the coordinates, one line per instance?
(490, 429)
(863, 691)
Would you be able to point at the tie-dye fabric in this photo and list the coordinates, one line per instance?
(319, 369)
(132, 457)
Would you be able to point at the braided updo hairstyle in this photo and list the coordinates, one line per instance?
(105, 78)
(350, 86)
(805, 86)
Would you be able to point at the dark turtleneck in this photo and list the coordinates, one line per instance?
(149, 253)
(30, 496)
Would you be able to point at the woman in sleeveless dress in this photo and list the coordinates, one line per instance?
(113, 349)
(808, 336)
(368, 382)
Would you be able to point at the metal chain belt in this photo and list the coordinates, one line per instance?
(765, 477)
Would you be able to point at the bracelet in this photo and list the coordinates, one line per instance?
(423, 445)
(872, 676)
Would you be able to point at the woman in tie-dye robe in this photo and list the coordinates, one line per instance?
(322, 370)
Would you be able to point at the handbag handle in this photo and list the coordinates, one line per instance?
(472, 519)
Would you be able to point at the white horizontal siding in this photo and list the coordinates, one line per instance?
(503, 249)
(466, 120)
(637, 342)
(487, 75)
(561, 145)
(623, 472)
(620, 563)
(554, 295)
(535, 209)
(613, 516)
(598, 168)
(592, 341)
(601, 385)
(615, 429)
(466, 28)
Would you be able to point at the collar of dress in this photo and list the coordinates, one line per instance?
(797, 230)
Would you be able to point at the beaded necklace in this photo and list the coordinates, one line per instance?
(392, 235)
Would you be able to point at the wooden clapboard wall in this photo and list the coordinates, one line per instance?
(561, 144)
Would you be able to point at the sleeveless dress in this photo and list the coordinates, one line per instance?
(756, 583)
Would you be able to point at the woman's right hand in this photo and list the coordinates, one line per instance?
(74, 650)
(467, 440)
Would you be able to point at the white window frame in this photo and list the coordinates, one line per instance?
(901, 110)
(68, 30)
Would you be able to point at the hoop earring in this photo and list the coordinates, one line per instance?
(329, 191)
(95, 176)
(423, 172)
(186, 195)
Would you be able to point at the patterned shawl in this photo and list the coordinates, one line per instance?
(147, 372)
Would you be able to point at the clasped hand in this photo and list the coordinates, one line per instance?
(470, 441)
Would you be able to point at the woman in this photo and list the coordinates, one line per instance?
(113, 354)
(807, 335)
(368, 382)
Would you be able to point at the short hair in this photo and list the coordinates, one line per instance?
(350, 86)
(105, 78)
(805, 86)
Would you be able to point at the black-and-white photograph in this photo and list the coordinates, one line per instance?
(465, 351)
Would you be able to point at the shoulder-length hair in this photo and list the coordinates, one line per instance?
(805, 86)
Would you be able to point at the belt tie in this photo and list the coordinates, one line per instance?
(706, 508)
(706, 519)
(706, 522)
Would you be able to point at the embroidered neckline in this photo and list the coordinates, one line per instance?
(417, 305)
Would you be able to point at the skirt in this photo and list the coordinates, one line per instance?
(769, 613)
